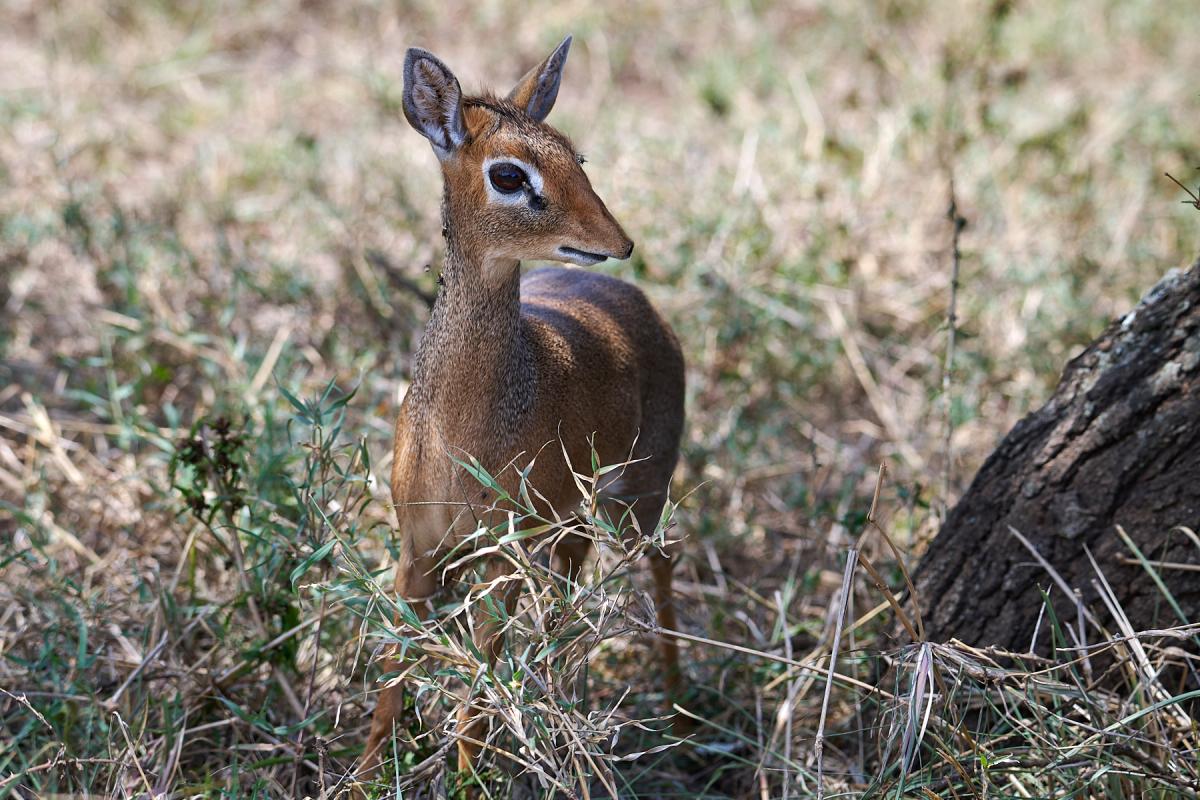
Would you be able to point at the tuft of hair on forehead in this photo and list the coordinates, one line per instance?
(500, 106)
(505, 114)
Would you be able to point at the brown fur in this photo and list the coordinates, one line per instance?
(514, 370)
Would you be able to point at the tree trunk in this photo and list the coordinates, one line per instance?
(1118, 444)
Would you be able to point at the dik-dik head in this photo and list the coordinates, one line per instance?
(515, 187)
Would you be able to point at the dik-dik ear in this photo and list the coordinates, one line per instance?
(538, 90)
(433, 101)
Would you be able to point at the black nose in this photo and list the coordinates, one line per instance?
(628, 251)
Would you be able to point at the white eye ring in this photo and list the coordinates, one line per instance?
(513, 198)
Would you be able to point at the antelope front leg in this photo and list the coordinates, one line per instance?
(489, 639)
(415, 588)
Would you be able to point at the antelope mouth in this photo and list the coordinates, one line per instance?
(581, 257)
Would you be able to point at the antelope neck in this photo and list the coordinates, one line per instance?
(472, 365)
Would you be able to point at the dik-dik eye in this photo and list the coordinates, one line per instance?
(507, 178)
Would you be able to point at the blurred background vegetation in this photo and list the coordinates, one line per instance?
(214, 210)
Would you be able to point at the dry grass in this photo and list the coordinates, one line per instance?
(193, 199)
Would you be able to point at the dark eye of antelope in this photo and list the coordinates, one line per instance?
(507, 178)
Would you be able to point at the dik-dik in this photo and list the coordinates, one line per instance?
(513, 370)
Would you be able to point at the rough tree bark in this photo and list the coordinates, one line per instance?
(1118, 444)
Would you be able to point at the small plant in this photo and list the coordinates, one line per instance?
(285, 503)
(206, 470)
